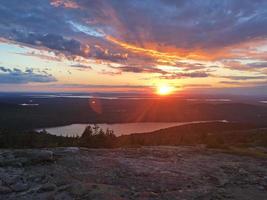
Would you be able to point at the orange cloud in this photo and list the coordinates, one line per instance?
(148, 51)
(169, 54)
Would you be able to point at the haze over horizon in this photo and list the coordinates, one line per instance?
(207, 46)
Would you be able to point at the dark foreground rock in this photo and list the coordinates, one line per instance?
(138, 173)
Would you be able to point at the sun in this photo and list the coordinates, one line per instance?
(164, 90)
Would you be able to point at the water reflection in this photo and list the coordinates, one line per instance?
(119, 129)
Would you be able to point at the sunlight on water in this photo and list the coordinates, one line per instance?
(119, 129)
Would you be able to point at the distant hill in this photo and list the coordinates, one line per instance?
(63, 111)
(212, 134)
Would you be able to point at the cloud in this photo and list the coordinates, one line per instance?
(197, 86)
(252, 66)
(31, 17)
(54, 26)
(247, 83)
(3, 69)
(51, 41)
(196, 74)
(111, 73)
(182, 25)
(205, 24)
(244, 77)
(70, 47)
(81, 66)
(16, 76)
(140, 69)
(43, 55)
(64, 3)
(98, 86)
(258, 65)
(132, 34)
(105, 54)
(230, 82)
(190, 66)
(86, 29)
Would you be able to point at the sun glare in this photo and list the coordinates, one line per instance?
(164, 90)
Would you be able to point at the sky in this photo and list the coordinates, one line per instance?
(197, 46)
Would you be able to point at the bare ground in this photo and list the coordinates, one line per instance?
(134, 173)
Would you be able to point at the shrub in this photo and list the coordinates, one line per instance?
(96, 137)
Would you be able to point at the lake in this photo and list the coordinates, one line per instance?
(119, 128)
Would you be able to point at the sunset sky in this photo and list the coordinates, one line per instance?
(133, 45)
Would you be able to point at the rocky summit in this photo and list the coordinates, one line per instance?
(132, 173)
